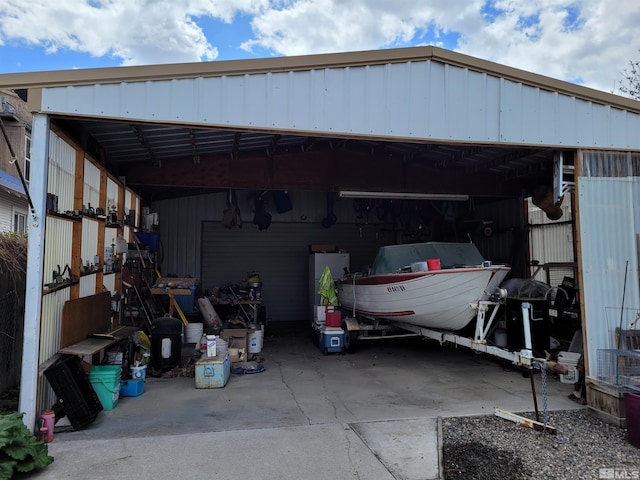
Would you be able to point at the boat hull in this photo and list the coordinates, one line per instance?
(439, 299)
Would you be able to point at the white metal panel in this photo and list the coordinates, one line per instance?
(62, 168)
(87, 285)
(322, 100)
(91, 191)
(112, 194)
(50, 336)
(58, 238)
(609, 232)
(89, 248)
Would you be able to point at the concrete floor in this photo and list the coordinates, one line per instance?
(372, 414)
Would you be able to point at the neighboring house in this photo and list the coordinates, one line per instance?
(16, 119)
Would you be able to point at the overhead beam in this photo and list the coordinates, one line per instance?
(317, 170)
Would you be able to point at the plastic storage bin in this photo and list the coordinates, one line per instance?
(132, 388)
(185, 302)
(166, 343)
(213, 372)
(72, 387)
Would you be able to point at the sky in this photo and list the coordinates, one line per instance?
(588, 42)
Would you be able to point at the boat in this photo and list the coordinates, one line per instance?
(433, 285)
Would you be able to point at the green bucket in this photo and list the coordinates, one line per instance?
(105, 380)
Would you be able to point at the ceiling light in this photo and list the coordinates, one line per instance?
(404, 195)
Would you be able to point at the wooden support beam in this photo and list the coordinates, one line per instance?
(527, 422)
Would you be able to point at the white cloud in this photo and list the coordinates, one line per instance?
(159, 31)
(586, 41)
(589, 41)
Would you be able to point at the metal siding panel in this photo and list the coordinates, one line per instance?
(357, 97)
(600, 124)
(510, 108)
(89, 247)
(568, 128)
(609, 231)
(112, 193)
(619, 137)
(549, 124)
(132, 99)
(398, 99)
(58, 241)
(257, 97)
(335, 115)
(531, 120)
(232, 102)
(457, 102)
(280, 255)
(91, 191)
(437, 104)
(108, 99)
(50, 335)
(418, 108)
(323, 97)
(477, 113)
(61, 175)
(584, 114)
(87, 285)
(279, 110)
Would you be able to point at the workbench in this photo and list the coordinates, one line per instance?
(254, 306)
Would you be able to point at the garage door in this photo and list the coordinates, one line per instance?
(280, 255)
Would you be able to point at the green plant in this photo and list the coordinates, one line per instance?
(19, 449)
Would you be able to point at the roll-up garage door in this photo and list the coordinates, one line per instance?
(281, 256)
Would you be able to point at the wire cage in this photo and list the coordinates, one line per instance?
(619, 369)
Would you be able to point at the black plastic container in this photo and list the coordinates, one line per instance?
(166, 343)
(73, 388)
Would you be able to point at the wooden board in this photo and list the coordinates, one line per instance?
(85, 316)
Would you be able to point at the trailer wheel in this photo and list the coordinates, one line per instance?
(350, 339)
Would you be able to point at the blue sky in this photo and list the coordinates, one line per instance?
(585, 41)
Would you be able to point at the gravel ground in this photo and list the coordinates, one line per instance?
(490, 447)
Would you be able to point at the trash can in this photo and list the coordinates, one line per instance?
(166, 343)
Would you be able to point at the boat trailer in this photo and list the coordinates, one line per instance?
(486, 312)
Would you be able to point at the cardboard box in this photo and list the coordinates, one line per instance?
(236, 337)
(213, 372)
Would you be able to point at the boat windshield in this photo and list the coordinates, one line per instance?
(393, 258)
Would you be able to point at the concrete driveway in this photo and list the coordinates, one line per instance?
(368, 415)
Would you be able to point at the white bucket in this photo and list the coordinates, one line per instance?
(138, 372)
(193, 332)
(221, 347)
(255, 341)
(500, 337)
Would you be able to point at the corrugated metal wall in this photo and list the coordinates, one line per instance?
(280, 253)
(50, 334)
(551, 241)
(609, 221)
(281, 256)
(418, 99)
(91, 190)
(62, 169)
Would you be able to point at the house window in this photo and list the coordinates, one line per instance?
(19, 221)
(27, 158)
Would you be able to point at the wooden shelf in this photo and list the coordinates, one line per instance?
(59, 286)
